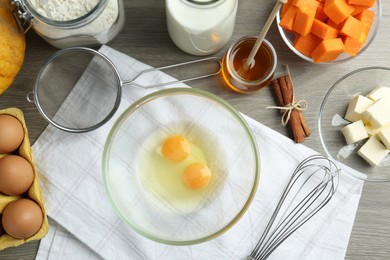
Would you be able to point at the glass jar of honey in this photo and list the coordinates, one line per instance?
(258, 75)
(72, 23)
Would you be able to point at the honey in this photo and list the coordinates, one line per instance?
(258, 75)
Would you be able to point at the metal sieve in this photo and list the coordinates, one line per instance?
(79, 89)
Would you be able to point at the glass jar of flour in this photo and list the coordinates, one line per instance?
(69, 23)
(201, 27)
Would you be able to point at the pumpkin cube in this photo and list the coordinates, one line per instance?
(363, 36)
(337, 10)
(368, 3)
(320, 14)
(351, 45)
(305, 3)
(285, 7)
(323, 31)
(327, 50)
(304, 20)
(352, 27)
(332, 24)
(288, 18)
(306, 44)
(358, 9)
(366, 17)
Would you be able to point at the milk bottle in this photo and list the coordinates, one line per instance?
(201, 27)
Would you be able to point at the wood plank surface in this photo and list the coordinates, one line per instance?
(145, 37)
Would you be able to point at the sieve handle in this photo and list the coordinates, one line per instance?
(208, 59)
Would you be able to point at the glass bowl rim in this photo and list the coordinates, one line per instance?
(304, 57)
(321, 112)
(169, 92)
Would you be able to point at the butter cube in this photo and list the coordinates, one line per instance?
(373, 151)
(378, 114)
(354, 132)
(371, 131)
(378, 93)
(356, 107)
(384, 136)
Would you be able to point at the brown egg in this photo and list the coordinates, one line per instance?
(16, 175)
(11, 133)
(22, 218)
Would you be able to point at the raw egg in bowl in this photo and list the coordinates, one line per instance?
(181, 166)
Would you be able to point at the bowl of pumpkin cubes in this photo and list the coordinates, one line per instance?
(354, 123)
(329, 31)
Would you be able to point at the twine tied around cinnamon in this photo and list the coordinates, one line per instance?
(300, 105)
(292, 110)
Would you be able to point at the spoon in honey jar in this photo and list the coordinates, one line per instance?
(249, 62)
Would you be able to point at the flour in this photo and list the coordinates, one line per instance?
(63, 10)
(103, 26)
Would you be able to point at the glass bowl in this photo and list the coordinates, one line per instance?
(150, 196)
(289, 37)
(332, 111)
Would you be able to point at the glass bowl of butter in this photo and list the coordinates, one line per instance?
(354, 123)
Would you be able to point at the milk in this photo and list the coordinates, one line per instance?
(201, 27)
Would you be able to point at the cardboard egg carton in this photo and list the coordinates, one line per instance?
(33, 193)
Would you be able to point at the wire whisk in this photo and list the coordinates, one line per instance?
(310, 188)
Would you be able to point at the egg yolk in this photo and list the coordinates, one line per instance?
(197, 176)
(176, 148)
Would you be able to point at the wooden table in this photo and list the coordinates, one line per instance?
(145, 38)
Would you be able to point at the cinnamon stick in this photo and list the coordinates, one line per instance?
(296, 127)
(284, 95)
(304, 124)
(295, 121)
(278, 93)
(286, 89)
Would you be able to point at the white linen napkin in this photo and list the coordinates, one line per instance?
(83, 224)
